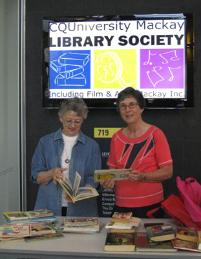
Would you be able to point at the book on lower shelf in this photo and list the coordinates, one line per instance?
(143, 244)
(111, 174)
(120, 242)
(188, 234)
(32, 215)
(73, 192)
(160, 233)
(81, 224)
(185, 245)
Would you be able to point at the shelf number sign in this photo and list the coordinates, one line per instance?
(104, 132)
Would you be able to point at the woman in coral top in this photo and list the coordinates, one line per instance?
(144, 149)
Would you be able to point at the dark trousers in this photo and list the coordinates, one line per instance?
(64, 211)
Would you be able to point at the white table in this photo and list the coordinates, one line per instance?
(78, 246)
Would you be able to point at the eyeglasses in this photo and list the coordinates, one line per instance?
(131, 106)
(72, 122)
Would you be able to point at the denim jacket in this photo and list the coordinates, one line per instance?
(85, 158)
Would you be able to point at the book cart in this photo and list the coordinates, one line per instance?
(80, 246)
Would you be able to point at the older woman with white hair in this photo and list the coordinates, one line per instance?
(63, 153)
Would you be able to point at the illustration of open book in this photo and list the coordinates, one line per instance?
(73, 192)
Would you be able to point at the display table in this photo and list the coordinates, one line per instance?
(77, 246)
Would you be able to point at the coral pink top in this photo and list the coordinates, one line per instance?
(145, 154)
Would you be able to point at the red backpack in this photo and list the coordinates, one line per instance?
(190, 192)
(174, 207)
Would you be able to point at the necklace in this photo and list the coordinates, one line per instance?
(67, 160)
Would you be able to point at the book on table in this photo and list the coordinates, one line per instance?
(120, 242)
(185, 245)
(160, 233)
(33, 215)
(81, 224)
(123, 222)
(111, 174)
(188, 234)
(14, 231)
(44, 236)
(199, 239)
(133, 223)
(21, 230)
(143, 244)
(73, 191)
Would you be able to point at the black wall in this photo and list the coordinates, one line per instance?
(182, 127)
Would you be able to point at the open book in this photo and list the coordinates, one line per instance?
(73, 192)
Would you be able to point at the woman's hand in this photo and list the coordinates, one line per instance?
(107, 184)
(57, 173)
(136, 176)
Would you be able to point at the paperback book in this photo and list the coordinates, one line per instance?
(133, 223)
(81, 224)
(73, 191)
(41, 228)
(114, 174)
(143, 244)
(14, 231)
(34, 215)
(120, 242)
(185, 245)
(44, 237)
(187, 234)
(199, 239)
(160, 233)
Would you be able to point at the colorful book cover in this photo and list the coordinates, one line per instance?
(188, 234)
(143, 244)
(185, 245)
(160, 233)
(124, 242)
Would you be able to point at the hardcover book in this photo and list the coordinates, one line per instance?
(143, 244)
(187, 234)
(185, 245)
(121, 217)
(81, 224)
(120, 242)
(73, 192)
(108, 174)
(160, 233)
(36, 215)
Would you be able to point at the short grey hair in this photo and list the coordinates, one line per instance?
(76, 104)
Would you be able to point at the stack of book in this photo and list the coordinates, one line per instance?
(156, 238)
(121, 232)
(187, 239)
(123, 222)
(81, 224)
(28, 225)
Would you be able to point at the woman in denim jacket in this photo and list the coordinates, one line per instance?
(62, 154)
